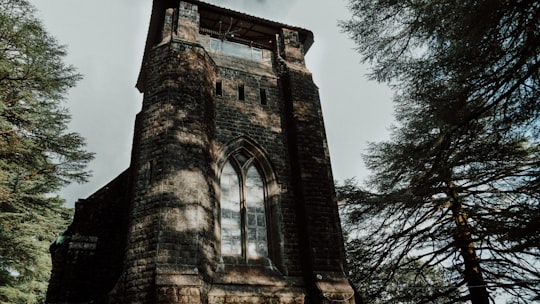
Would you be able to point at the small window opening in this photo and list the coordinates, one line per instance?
(219, 88)
(262, 93)
(241, 92)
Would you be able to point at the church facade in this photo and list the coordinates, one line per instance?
(229, 197)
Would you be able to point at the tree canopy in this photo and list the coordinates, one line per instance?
(37, 154)
(457, 184)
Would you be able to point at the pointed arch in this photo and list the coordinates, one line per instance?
(246, 144)
(243, 161)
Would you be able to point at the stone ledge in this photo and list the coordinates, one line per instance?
(242, 294)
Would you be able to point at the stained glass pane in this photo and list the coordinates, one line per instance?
(230, 212)
(256, 219)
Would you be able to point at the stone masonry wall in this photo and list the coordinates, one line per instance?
(170, 231)
(87, 259)
(318, 219)
(264, 124)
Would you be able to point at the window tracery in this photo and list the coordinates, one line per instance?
(243, 210)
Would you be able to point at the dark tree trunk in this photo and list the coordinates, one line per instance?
(464, 242)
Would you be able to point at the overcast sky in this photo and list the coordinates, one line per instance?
(105, 41)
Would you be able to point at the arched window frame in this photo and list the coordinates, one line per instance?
(242, 164)
(274, 219)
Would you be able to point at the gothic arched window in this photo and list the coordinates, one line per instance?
(243, 214)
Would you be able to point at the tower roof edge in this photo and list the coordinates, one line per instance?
(210, 11)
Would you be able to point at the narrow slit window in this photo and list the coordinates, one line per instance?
(219, 88)
(262, 93)
(241, 92)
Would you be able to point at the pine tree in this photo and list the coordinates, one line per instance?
(457, 184)
(37, 154)
(410, 283)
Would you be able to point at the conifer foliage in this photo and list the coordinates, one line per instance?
(457, 185)
(37, 154)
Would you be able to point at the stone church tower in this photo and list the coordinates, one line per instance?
(229, 197)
